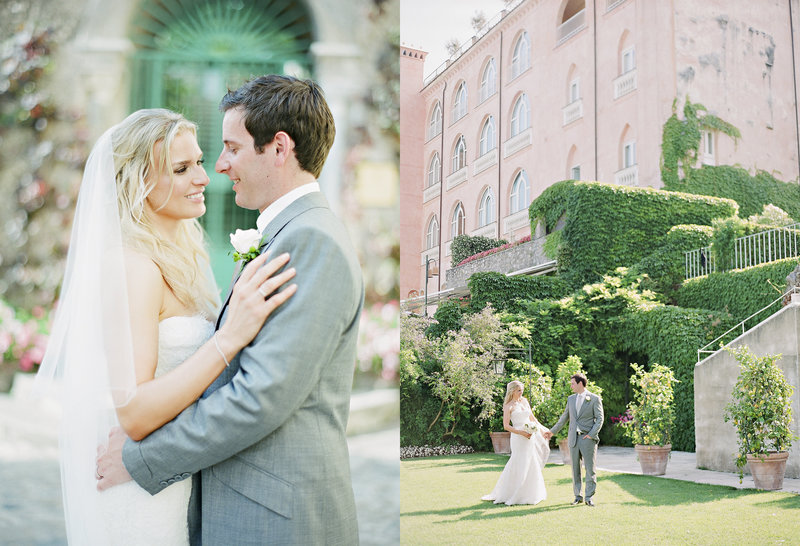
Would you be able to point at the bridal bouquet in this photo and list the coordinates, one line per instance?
(531, 427)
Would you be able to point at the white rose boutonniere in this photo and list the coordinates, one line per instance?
(245, 244)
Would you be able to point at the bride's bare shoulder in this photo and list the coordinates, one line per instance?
(137, 261)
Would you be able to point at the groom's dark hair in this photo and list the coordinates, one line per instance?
(579, 378)
(297, 107)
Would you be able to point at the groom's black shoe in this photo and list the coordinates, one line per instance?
(589, 502)
(577, 501)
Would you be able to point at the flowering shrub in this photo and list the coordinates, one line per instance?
(622, 419)
(651, 412)
(42, 154)
(411, 452)
(379, 341)
(23, 338)
(506, 246)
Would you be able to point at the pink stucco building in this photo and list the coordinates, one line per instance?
(556, 89)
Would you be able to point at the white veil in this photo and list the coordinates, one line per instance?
(88, 364)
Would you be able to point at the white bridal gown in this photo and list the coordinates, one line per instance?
(521, 481)
(132, 516)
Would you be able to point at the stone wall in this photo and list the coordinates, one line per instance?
(715, 376)
(505, 261)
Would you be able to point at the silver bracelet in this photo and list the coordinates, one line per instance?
(216, 344)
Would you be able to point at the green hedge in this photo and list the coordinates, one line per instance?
(741, 292)
(751, 192)
(550, 206)
(465, 246)
(671, 336)
(609, 226)
(509, 293)
(666, 267)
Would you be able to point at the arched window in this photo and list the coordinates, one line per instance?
(488, 81)
(486, 208)
(432, 236)
(488, 136)
(460, 102)
(434, 170)
(521, 59)
(520, 193)
(459, 154)
(435, 122)
(627, 60)
(520, 117)
(458, 222)
(572, 8)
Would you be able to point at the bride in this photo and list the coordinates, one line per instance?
(521, 481)
(133, 341)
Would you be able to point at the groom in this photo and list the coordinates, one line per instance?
(266, 442)
(585, 412)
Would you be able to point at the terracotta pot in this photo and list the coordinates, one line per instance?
(501, 441)
(768, 470)
(653, 459)
(563, 448)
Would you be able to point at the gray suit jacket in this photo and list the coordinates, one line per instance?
(589, 419)
(267, 439)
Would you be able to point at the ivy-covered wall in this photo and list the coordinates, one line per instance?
(739, 292)
(671, 336)
(511, 293)
(751, 192)
(609, 226)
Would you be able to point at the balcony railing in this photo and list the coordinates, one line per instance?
(573, 111)
(516, 221)
(625, 83)
(458, 177)
(485, 161)
(748, 251)
(571, 26)
(628, 176)
(489, 230)
(518, 142)
(431, 193)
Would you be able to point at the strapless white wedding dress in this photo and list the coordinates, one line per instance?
(132, 516)
(521, 481)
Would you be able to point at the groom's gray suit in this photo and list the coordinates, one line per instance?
(587, 420)
(267, 439)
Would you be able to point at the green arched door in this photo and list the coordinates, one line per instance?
(188, 54)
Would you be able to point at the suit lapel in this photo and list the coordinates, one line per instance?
(295, 208)
(586, 401)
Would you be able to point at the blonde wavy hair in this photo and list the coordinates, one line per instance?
(511, 388)
(183, 263)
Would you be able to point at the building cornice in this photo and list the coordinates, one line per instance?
(481, 43)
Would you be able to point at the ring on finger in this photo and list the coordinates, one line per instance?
(262, 292)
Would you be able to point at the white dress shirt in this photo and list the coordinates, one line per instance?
(280, 204)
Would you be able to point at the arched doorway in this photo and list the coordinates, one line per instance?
(187, 54)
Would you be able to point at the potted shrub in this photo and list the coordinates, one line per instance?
(501, 440)
(762, 414)
(651, 415)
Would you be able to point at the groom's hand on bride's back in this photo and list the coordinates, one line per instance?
(110, 470)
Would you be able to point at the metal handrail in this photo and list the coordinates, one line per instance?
(704, 348)
(750, 250)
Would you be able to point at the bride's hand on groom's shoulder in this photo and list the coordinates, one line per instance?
(255, 296)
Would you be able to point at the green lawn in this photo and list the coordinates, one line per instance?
(440, 503)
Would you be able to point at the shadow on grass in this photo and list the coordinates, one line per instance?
(484, 510)
(655, 491)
